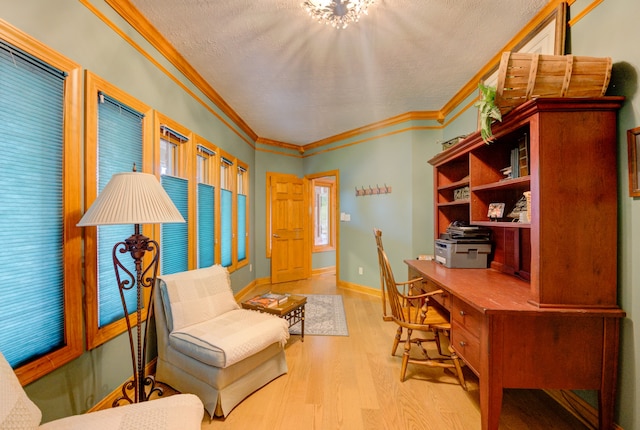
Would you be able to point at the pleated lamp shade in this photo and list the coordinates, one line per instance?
(132, 198)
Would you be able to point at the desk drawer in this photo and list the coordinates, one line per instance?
(427, 286)
(467, 346)
(466, 316)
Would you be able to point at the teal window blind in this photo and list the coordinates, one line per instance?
(242, 227)
(31, 209)
(175, 237)
(206, 223)
(119, 147)
(226, 232)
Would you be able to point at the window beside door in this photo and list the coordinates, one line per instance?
(324, 197)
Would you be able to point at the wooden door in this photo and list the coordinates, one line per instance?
(290, 252)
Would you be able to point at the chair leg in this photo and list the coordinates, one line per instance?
(456, 362)
(405, 355)
(436, 334)
(396, 341)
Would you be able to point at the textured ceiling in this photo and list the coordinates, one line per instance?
(296, 81)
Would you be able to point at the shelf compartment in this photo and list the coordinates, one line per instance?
(516, 183)
(488, 162)
(450, 212)
(454, 185)
(454, 173)
(455, 203)
(504, 224)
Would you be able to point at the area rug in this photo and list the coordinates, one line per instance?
(324, 316)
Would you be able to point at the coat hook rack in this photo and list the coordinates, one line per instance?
(369, 191)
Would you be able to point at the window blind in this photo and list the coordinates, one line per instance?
(226, 232)
(172, 134)
(31, 210)
(175, 239)
(242, 227)
(206, 223)
(119, 146)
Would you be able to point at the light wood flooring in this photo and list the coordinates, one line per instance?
(353, 383)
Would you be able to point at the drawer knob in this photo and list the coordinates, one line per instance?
(462, 313)
(463, 344)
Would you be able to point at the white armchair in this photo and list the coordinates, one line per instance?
(18, 412)
(208, 345)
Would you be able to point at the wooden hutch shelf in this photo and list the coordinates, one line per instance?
(545, 314)
(571, 238)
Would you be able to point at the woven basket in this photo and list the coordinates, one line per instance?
(522, 77)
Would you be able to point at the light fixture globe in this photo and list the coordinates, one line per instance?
(337, 13)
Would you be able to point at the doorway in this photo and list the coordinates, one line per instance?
(302, 222)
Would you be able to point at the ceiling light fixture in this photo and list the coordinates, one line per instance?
(337, 13)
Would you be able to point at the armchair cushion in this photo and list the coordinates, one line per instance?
(231, 337)
(181, 411)
(17, 411)
(196, 296)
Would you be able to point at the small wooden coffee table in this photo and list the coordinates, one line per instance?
(292, 310)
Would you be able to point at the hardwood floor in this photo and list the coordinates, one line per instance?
(353, 383)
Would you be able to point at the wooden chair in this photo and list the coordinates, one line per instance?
(377, 233)
(414, 313)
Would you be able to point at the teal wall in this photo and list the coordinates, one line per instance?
(612, 30)
(396, 156)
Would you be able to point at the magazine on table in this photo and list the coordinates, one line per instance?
(269, 300)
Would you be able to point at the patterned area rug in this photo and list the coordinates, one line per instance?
(324, 316)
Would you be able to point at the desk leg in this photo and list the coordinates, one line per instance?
(491, 365)
(607, 393)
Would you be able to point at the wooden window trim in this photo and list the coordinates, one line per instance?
(96, 336)
(331, 184)
(186, 166)
(245, 183)
(214, 180)
(72, 183)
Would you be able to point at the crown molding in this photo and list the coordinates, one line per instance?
(130, 14)
(408, 116)
(276, 143)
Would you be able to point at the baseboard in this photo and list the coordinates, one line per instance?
(243, 292)
(577, 407)
(324, 271)
(107, 402)
(359, 288)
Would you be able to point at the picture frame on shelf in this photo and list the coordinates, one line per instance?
(633, 147)
(496, 211)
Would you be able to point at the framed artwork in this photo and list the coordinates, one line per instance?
(496, 210)
(548, 37)
(633, 144)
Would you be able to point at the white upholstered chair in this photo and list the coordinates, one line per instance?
(18, 412)
(208, 345)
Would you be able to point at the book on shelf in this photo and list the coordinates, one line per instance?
(515, 163)
(523, 155)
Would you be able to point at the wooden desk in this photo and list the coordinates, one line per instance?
(510, 343)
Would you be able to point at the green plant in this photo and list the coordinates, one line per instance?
(489, 112)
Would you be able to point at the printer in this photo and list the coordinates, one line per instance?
(463, 247)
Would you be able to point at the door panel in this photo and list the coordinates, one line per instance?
(289, 229)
